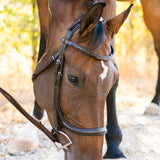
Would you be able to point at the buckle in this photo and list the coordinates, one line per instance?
(64, 147)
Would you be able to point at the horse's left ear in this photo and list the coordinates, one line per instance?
(114, 24)
(92, 17)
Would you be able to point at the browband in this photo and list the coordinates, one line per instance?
(88, 52)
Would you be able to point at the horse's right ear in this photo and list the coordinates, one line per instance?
(92, 17)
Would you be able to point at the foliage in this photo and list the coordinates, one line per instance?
(19, 30)
(133, 34)
(134, 44)
(18, 22)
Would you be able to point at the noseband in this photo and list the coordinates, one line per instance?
(59, 119)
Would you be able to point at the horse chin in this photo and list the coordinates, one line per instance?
(152, 110)
(85, 148)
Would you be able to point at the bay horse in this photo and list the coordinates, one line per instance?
(151, 16)
(87, 79)
(80, 76)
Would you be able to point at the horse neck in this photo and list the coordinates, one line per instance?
(150, 6)
(62, 15)
(145, 4)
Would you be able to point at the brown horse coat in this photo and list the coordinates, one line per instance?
(82, 104)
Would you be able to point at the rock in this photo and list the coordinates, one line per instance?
(152, 110)
(25, 141)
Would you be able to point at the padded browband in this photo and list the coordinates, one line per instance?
(88, 52)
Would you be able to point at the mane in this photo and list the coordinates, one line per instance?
(98, 35)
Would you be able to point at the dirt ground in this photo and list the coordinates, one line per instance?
(141, 133)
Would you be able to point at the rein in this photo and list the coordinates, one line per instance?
(38, 124)
(59, 119)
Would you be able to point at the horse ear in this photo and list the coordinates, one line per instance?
(114, 24)
(92, 17)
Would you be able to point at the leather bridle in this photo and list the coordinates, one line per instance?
(59, 119)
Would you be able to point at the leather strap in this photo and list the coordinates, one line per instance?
(38, 124)
(59, 119)
(47, 65)
(88, 52)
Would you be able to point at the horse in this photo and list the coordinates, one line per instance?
(83, 78)
(75, 77)
(151, 12)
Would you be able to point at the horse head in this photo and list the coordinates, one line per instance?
(87, 77)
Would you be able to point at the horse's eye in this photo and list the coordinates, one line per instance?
(73, 80)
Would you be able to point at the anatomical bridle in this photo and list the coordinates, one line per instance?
(59, 120)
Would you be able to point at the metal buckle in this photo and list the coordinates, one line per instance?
(64, 147)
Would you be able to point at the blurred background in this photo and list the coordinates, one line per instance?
(136, 60)
(19, 42)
